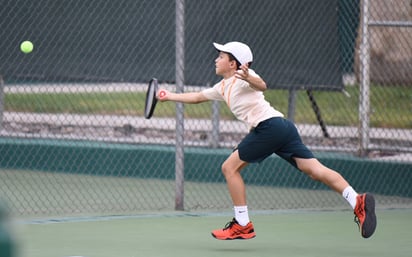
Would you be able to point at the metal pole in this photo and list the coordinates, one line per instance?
(215, 124)
(316, 110)
(364, 96)
(390, 23)
(1, 102)
(179, 156)
(292, 104)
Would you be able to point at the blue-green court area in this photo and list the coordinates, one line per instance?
(280, 233)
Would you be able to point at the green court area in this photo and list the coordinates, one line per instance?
(286, 234)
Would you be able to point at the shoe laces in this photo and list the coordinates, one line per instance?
(230, 224)
(357, 221)
(358, 212)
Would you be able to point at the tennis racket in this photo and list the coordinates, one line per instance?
(151, 99)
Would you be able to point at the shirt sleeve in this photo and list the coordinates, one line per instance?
(213, 93)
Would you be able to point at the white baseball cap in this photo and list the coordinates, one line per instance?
(239, 50)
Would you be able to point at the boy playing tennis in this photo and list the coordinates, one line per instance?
(242, 90)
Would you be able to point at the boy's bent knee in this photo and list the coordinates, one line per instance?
(227, 168)
(232, 165)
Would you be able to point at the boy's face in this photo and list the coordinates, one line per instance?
(224, 66)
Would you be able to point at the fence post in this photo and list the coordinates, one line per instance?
(1, 101)
(291, 104)
(215, 124)
(364, 96)
(179, 164)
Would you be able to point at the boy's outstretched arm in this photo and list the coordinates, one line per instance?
(189, 98)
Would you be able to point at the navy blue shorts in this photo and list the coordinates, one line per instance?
(275, 135)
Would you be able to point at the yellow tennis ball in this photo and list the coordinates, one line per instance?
(26, 47)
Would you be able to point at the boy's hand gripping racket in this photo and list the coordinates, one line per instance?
(151, 99)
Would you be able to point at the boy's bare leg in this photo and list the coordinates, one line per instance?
(363, 204)
(240, 227)
(317, 171)
(231, 170)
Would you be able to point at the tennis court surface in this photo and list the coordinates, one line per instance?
(287, 234)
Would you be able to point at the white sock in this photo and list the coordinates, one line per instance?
(241, 215)
(350, 195)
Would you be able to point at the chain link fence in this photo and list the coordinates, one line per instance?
(73, 139)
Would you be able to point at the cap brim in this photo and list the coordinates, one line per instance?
(222, 48)
(219, 47)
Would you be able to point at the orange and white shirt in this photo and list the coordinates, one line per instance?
(246, 103)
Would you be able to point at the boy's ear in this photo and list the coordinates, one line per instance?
(233, 63)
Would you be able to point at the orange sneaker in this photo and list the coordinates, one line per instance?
(233, 230)
(365, 215)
